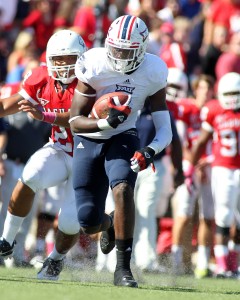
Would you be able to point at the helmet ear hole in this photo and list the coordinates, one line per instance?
(128, 33)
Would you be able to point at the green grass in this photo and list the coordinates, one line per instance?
(20, 284)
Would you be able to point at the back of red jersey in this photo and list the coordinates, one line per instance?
(40, 89)
(225, 125)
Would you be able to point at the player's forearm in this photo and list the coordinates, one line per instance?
(197, 151)
(9, 106)
(82, 124)
(3, 142)
(176, 154)
(61, 119)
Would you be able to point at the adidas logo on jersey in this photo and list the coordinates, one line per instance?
(80, 146)
(127, 81)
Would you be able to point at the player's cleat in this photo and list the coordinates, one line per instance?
(107, 239)
(37, 261)
(124, 277)
(221, 274)
(233, 275)
(50, 269)
(202, 273)
(6, 250)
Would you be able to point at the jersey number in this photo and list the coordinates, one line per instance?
(230, 143)
(67, 147)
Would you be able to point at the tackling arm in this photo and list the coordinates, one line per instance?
(36, 112)
(9, 105)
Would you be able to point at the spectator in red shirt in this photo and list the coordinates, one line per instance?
(222, 12)
(41, 19)
(172, 51)
(92, 22)
(230, 60)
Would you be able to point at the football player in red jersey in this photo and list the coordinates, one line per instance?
(46, 95)
(221, 119)
(188, 125)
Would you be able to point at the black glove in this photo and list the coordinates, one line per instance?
(117, 114)
(142, 159)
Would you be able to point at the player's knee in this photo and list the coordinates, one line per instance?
(68, 225)
(88, 217)
(224, 231)
(31, 179)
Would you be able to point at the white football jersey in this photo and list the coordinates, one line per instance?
(151, 76)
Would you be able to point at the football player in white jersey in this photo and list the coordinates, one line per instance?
(107, 150)
(46, 94)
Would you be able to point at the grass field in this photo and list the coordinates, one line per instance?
(20, 284)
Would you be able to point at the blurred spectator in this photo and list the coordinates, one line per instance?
(222, 12)
(65, 13)
(8, 11)
(189, 8)
(173, 51)
(229, 61)
(182, 29)
(24, 51)
(146, 11)
(120, 7)
(4, 52)
(92, 21)
(155, 41)
(214, 50)
(170, 11)
(195, 42)
(41, 20)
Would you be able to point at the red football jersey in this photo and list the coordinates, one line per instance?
(225, 125)
(189, 113)
(41, 89)
(173, 108)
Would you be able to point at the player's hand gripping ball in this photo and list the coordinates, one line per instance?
(102, 106)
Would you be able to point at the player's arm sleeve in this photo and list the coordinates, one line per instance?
(163, 136)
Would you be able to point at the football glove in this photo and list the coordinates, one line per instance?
(117, 114)
(142, 159)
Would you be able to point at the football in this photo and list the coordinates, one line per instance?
(100, 108)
